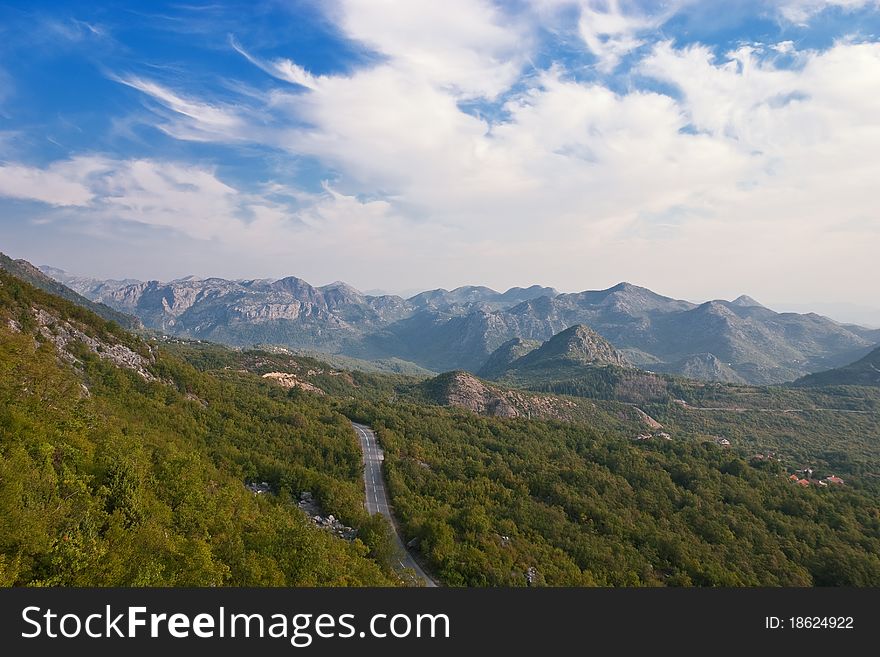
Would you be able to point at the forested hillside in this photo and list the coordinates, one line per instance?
(121, 465)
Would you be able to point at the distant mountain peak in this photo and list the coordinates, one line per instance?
(341, 285)
(745, 301)
(531, 292)
(716, 307)
(473, 288)
(624, 286)
(52, 272)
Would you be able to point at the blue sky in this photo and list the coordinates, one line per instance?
(700, 151)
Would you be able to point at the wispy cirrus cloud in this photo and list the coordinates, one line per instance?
(282, 69)
(194, 120)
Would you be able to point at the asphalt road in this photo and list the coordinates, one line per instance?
(377, 498)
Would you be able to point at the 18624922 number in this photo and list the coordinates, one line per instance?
(821, 622)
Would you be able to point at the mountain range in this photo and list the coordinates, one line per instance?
(441, 330)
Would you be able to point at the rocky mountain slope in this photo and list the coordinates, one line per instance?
(440, 330)
(505, 355)
(864, 372)
(707, 367)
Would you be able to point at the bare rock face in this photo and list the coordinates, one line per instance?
(308, 505)
(467, 391)
(65, 334)
(288, 380)
(647, 419)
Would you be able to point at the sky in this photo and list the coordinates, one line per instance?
(701, 149)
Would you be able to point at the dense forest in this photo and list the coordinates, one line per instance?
(493, 501)
(113, 477)
(834, 428)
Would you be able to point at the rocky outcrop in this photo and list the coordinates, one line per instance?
(288, 380)
(65, 335)
(464, 390)
(331, 523)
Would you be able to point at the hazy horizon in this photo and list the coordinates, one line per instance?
(567, 143)
(846, 313)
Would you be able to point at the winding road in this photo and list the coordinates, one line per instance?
(738, 409)
(377, 498)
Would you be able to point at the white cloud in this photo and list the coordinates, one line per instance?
(193, 203)
(190, 200)
(610, 29)
(61, 184)
(191, 119)
(756, 164)
(801, 11)
(810, 133)
(469, 46)
(283, 69)
(611, 33)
